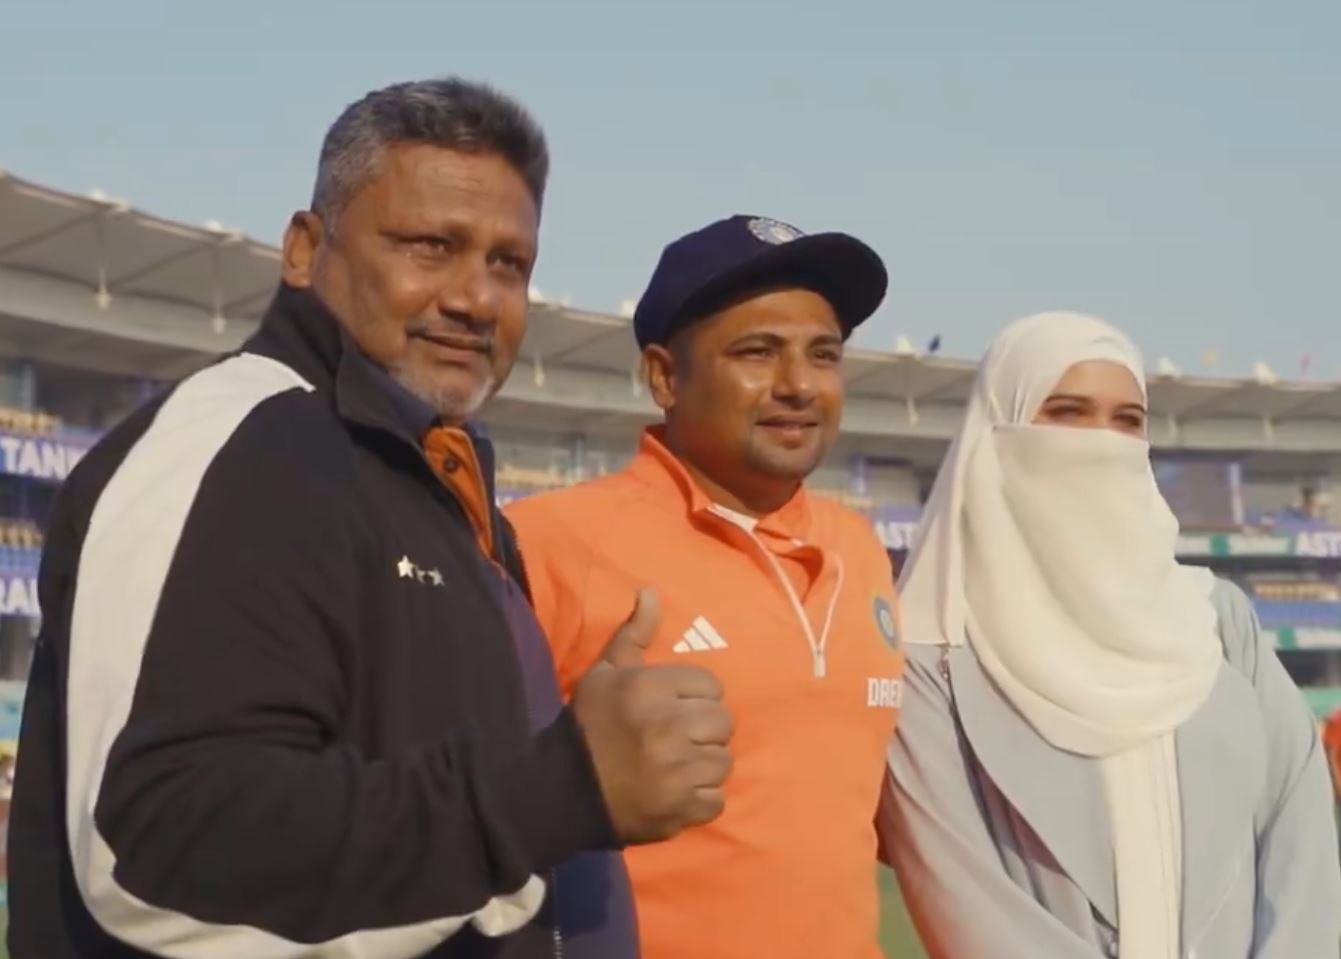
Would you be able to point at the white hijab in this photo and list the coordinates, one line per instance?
(1051, 552)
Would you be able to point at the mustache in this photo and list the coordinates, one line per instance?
(461, 336)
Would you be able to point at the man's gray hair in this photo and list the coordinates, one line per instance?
(449, 112)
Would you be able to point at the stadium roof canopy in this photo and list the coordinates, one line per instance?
(127, 292)
(91, 282)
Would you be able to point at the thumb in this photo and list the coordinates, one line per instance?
(630, 641)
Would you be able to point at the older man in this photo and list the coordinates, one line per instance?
(289, 698)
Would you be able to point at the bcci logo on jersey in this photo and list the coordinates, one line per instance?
(886, 622)
(882, 693)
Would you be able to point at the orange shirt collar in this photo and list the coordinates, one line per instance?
(656, 466)
(452, 457)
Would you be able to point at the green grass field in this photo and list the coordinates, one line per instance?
(897, 936)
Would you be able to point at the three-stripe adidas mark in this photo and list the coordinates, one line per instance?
(699, 637)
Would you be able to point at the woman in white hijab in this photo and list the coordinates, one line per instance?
(1099, 755)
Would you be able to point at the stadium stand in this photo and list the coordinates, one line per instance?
(102, 304)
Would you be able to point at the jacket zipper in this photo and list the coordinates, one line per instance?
(818, 645)
(521, 582)
(558, 929)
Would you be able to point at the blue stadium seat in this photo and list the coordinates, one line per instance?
(1285, 614)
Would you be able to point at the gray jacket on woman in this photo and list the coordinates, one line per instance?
(1003, 846)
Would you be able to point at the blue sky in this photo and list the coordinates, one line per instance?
(1174, 166)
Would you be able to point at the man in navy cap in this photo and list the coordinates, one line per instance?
(787, 598)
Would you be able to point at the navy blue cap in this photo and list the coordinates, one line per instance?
(704, 270)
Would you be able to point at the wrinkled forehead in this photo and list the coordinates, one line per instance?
(1032, 355)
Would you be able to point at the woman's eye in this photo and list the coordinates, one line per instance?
(1064, 412)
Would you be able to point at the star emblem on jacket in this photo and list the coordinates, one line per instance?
(407, 569)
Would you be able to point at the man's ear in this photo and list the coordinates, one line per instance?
(662, 371)
(302, 239)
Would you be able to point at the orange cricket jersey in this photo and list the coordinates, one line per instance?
(797, 618)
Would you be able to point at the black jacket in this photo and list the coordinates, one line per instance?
(278, 693)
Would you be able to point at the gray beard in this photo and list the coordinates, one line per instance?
(454, 406)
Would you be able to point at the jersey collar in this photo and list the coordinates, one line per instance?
(657, 467)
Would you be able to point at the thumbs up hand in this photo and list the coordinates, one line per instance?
(628, 646)
(658, 735)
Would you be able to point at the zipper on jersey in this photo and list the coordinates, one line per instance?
(818, 644)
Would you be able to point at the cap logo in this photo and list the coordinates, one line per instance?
(773, 231)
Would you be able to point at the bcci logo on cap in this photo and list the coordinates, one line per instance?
(774, 231)
(886, 621)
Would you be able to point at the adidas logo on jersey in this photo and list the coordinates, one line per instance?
(699, 638)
